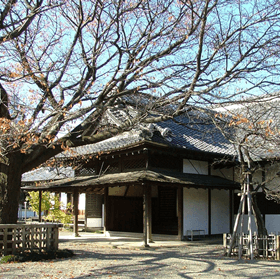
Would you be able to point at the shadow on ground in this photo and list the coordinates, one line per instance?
(191, 260)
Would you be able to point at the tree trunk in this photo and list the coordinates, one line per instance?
(262, 231)
(10, 183)
(258, 217)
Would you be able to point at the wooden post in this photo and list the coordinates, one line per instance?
(5, 241)
(145, 215)
(180, 212)
(86, 209)
(149, 204)
(249, 203)
(23, 236)
(209, 212)
(76, 213)
(277, 247)
(40, 206)
(231, 210)
(106, 192)
(225, 243)
(55, 229)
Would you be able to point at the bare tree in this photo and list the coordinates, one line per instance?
(64, 64)
(253, 128)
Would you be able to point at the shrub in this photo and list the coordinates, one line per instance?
(50, 204)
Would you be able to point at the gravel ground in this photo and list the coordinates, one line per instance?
(104, 260)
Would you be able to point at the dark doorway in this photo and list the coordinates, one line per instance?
(125, 214)
(164, 211)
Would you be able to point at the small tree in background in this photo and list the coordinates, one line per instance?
(33, 198)
(51, 204)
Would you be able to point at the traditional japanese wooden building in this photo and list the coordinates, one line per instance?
(169, 178)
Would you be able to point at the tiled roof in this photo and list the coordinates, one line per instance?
(187, 132)
(116, 142)
(47, 173)
(196, 136)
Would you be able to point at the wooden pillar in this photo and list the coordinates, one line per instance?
(86, 209)
(145, 215)
(180, 212)
(231, 210)
(105, 209)
(40, 206)
(209, 204)
(209, 212)
(76, 212)
(149, 210)
(277, 257)
(225, 242)
(263, 183)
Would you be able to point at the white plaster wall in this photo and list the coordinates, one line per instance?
(224, 173)
(245, 224)
(220, 212)
(63, 199)
(271, 178)
(272, 223)
(195, 167)
(82, 201)
(94, 222)
(195, 210)
(237, 174)
(257, 179)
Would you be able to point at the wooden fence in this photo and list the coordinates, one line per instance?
(16, 238)
(263, 247)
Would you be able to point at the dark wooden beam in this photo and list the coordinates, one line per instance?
(86, 210)
(105, 209)
(180, 212)
(145, 215)
(231, 207)
(209, 212)
(76, 212)
(209, 204)
(40, 206)
(149, 198)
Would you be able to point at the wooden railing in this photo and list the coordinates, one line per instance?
(16, 238)
(263, 247)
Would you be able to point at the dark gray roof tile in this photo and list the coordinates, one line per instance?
(187, 132)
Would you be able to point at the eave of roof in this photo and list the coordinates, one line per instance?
(136, 178)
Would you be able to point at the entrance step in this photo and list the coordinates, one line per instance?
(138, 235)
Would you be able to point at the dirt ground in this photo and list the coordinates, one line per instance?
(99, 257)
